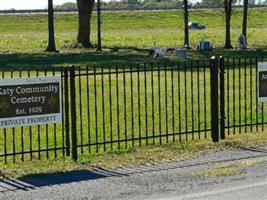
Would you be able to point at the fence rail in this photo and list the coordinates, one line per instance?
(115, 108)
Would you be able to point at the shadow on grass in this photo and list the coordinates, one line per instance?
(67, 59)
(232, 53)
(111, 57)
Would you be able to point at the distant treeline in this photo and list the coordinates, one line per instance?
(120, 6)
(127, 4)
(158, 4)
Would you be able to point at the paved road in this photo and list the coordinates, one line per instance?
(246, 191)
(256, 190)
(173, 180)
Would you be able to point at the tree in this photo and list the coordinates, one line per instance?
(186, 29)
(51, 32)
(215, 3)
(66, 6)
(211, 3)
(162, 3)
(245, 19)
(228, 15)
(99, 22)
(85, 8)
(251, 2)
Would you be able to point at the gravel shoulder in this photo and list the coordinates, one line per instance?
(146, 181)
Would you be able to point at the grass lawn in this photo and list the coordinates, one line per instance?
(133, 157)
(24, 38)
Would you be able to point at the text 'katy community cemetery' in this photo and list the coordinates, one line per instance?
(30, 101)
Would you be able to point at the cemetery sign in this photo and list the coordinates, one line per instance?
(30, 101)
(262, 81)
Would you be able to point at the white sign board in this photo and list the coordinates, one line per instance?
(30, 101)
(262, 81)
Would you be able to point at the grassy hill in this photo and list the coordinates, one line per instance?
(27, 34)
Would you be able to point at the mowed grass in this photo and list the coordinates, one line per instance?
(122, 111)
(23, 38)
(149, 155)
(135, 28)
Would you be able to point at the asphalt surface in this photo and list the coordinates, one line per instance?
(172, 180)
(247, 191)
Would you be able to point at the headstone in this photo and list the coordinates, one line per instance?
(242, 42)
(182, 53)
(157, 52)
(204, 46)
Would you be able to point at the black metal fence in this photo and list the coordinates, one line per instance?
(125, 107)
(243, 112)
(116, 108)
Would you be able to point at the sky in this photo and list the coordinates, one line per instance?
(28, 4)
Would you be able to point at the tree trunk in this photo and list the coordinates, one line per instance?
(186, 30)
(245, 19)
(99, 23)
(51, 34)
(228, 14)
(85, 8)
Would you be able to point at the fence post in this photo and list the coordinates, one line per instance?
(73, 114)
(214, 99)
(67, 117)
(222, 95)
